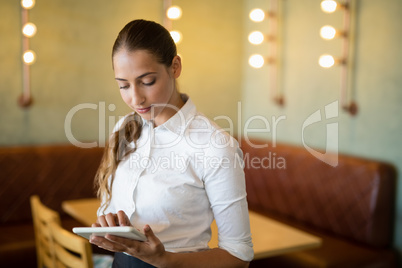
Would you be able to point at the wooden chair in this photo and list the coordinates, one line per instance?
(70, 250)
(42, 216)
(55, 246)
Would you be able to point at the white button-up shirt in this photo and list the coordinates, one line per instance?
(183, 174)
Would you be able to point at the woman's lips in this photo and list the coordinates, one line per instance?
(143, 110)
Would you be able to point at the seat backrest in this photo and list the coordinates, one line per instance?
(67, 170)
(355, 199)
(42, 216)
(70, 250)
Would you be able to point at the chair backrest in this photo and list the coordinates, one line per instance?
(42, 216)
(70, 250)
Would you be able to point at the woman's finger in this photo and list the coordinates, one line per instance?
(153, 240)
(151, 237)
(111, 219)
(102, 221)
(96, 225)
(107, 244)
(132, 247)
(123, 218)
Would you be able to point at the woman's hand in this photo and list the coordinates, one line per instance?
(119, 219)
(151, 250)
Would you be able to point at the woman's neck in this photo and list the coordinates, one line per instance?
(174, 105)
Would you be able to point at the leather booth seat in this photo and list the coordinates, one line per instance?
(350, 205)
(55, 173)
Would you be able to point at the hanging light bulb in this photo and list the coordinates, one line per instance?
(27, 4)
(29, 57)
(174, 13)
(176, 35)
(256, 38)
(329, 6)
(327, 32)
(29, 29)
(256, 61)
(257, 15)
(326, 61)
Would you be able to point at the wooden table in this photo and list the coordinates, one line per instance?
(270, 237)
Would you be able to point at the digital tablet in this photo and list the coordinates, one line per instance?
(122, 231)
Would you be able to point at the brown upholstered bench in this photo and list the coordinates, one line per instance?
(350, 206)
(55, 173)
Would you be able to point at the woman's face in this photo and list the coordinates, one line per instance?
(147, 86)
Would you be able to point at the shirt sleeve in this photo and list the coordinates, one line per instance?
(225, 186)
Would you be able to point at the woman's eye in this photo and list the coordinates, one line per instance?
(124, 87)
(150, 83)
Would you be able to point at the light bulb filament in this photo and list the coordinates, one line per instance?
(29, 29)
(29, 57)
(329, 6)
(257, 15)
(256, 61)
(256, 38)
(176, 35)
(174, 13)
(27, 4)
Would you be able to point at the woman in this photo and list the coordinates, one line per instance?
(167, 169)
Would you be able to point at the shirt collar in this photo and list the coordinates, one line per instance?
(179, 121)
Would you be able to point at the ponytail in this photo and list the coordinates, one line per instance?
(118, 147)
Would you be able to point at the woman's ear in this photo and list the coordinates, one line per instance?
(176, 66)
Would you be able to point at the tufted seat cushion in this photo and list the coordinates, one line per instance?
(351, 204)
(55, 173)
(354, 199)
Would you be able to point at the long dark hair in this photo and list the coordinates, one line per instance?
(136, 35)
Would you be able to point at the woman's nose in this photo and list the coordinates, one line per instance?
(137, 98)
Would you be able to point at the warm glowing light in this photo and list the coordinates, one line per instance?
(176, 35)
(256, 38)
(328, 32)
(29, 29)
(326, 61)
(257, 15)
(29, 57)
(329, 6)
(27, 4)
(256, 61)
(174, 13)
